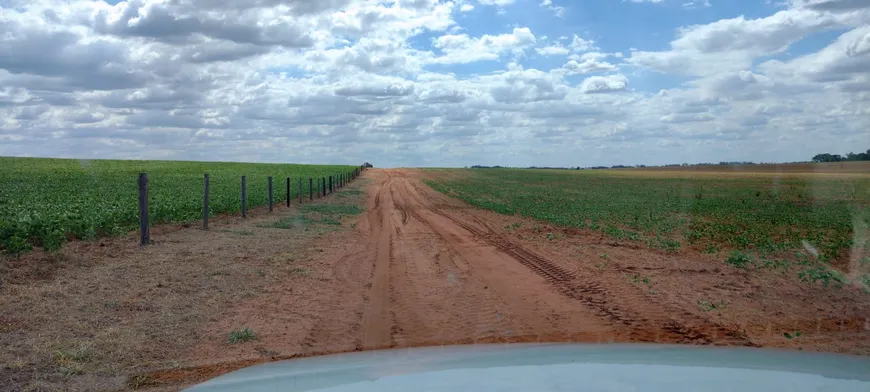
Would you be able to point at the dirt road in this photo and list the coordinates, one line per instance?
(420, 268)
(425, 269)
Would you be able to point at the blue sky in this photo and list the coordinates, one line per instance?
(436, 82)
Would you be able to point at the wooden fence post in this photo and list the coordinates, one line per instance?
(205, 202)
(288, 191)
(144, 234)
(330, 185)
(310, 189)
(270, 194)
(244, 200)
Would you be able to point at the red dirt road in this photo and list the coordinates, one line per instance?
(443, 275)
(420, 268)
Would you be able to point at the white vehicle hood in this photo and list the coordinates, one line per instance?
(555, 367)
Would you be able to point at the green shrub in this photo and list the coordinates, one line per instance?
(738, 259)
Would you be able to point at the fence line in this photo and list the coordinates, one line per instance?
(205, 202)
(335, 182)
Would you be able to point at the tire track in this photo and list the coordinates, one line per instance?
(658, 327)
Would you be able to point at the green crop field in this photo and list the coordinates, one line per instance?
(757, 213)
(44, 202)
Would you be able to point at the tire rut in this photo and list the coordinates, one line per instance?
(693, 330)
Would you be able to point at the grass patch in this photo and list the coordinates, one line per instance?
(738, 259)
(288, 223)
(71, 360)
(241, 336)
(328, 209)
(822, 274)
(242, 232)
(330, 221)
(301, 271)
(349, 192)
(711, 249)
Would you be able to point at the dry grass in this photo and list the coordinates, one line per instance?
(93, 314)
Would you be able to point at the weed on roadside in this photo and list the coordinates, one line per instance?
(792, 335)
(238, 232)
(554, 236)
(510, 228)
(766, 263)
(300, 271)
(241, 336)
(331, 221)
(288, 223)
(707, 306)
(865, 281)
(141, 381)
(348, 192)
(738, 259)
(665, 244)
(826, 275)
(332, 209)
(71, 360)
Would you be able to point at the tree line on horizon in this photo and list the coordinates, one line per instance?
(827, 157)
(818, 158)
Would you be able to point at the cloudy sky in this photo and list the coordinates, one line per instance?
(435, 83)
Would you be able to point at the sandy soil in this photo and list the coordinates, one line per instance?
(419, 268)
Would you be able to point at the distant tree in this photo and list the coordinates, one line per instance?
(827, 157)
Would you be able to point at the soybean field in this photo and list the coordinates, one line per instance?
(763, 213)
(44, 202)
